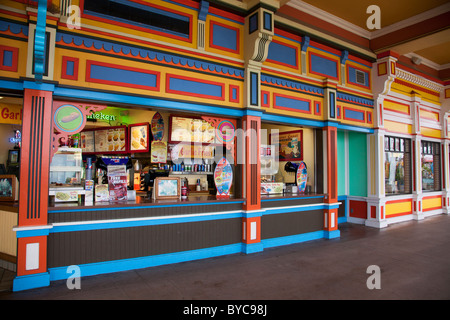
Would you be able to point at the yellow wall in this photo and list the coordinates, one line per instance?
(398, 208)
(8, 240)
(431, 203)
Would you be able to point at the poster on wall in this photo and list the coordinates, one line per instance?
(139, 137)
(290, 145)
(158, 152)
(223, 178)
(157, 127)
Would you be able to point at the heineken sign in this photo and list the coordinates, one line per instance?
(101, 116)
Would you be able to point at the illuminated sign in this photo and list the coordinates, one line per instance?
(10, 114)
(17, 137)
(101, 116)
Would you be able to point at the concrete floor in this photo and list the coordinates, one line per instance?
(414, 258)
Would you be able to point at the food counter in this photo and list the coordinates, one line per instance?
(141, 233)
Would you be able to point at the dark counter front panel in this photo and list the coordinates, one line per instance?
(92, 246)
(291, 223)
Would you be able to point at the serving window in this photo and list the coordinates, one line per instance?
(431, 162)
(397, 165)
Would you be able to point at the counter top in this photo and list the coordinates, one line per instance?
(287, 196)
(142, 201)
(10, 206)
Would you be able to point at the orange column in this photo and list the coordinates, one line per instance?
(252, 167)
(32, 229)
(330, 160)
(251, 222)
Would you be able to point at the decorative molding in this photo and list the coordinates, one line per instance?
(145, 54)
(14, 28)
(344, 24)
(328, 17)
(39, 41)
(420, 81)
(411, 21)
(307, 29)
(151, 41)
(427, 62)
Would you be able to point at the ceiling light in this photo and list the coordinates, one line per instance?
(416, 60)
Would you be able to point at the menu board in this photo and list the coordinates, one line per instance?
(139, 137)
(104, 140)
(110, 140)
(192, 130)
(158, 152)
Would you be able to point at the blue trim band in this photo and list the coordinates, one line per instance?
(252, 247)
(342, 220)
(281, 241)
(355, 129)
(39, 280)
(292, 121)
(91, 269)
(38, 86)
(332, 234)
(140, 223)
(253, 214)
(13, 85)
(33, 233)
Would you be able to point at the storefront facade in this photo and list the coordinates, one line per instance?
(248, 69)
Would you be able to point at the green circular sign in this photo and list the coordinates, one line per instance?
(68, 118)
